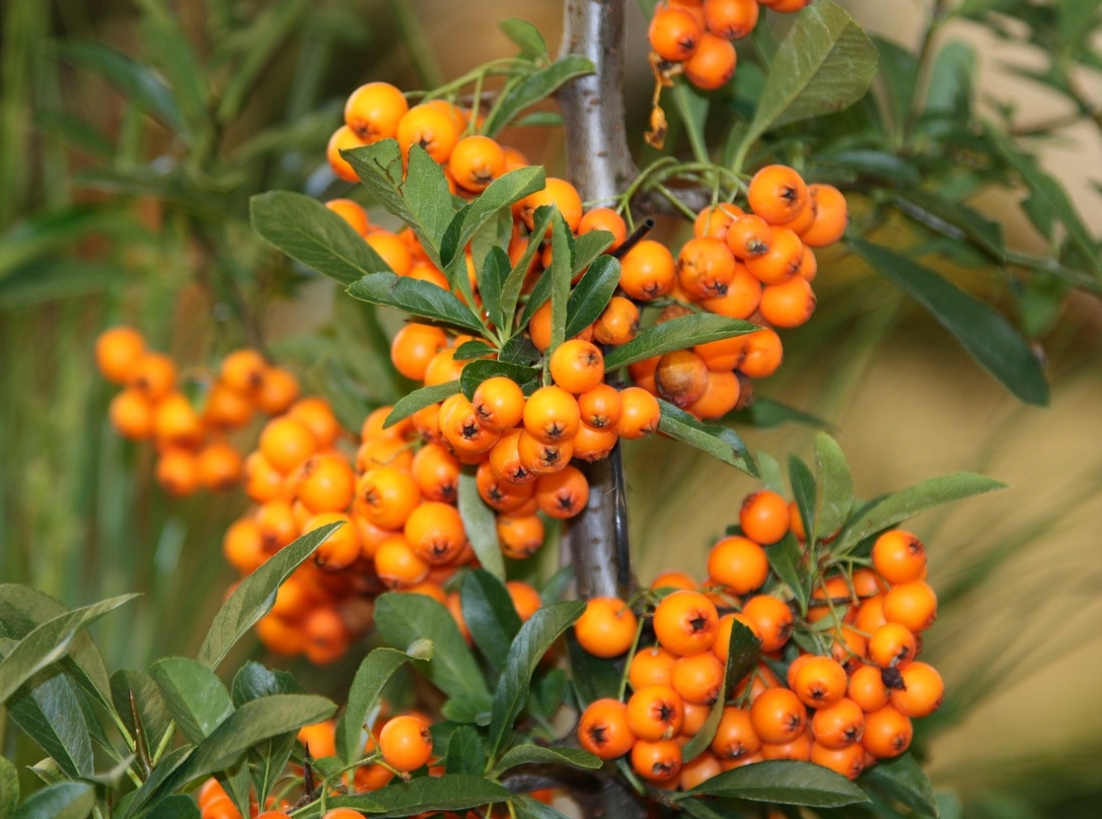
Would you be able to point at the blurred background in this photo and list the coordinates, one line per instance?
(115, 206)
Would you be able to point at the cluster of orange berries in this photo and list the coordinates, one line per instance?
(192, 448)
(844, 707)
(755, 265)
(695, 36)
(402, 742)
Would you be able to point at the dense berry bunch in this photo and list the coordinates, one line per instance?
(838, 687)
(694, 37)
(192, 448)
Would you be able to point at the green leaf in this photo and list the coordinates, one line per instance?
(310, 233)
(9, 788)
(786, 559)
(255, 596)
(266, 761)
(65, 800)
(743, 654)
(949, 90)
(825, 64)
(491, 284)
(785, 782)
(481, 526)
(474, 709)
(892, 509)
(835, 484)
(367, 686)
(902, 780)
(48, 643)
(254, 681)
(502, 192)
(591, 295)
(805, 494)
(588, 247)
(252, 723)
(170, 774)
(150, 705)
(194, 696)
(427, 794)
(593, 678)
(135, 81)
(899, 73)
(419, 198)
(562, 258)
(534, 639)
(541, 223)
(1048, 194)
(529, 808)
(478, 371)
(983, 332)
(404, 618)
(540, 755)
(419, 399)
(676, 334)
(418, 298)
(178, 806)
(722, 443)
(465, 752)
(490, 616)
(48, 710)
(470, 350)
(967, 222)
(534, 88)
(526, 36)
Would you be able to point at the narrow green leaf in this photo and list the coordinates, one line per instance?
(786, 560)
(785, 782)
(253, 681)
(252, 723)
(48, 710)
(150, 705)
(367, 686)
(1050, 195)
(899, 74)
(470, 350)
(949, 90)
(427, 794)
(540, 755)
(502, 192)
(196, 698)
(743, 654)
(978, 229)
(676, 334)
(835, 484)
(541, 223)
(526, 36)
(534, 88)
(178, 806)
(534, 639)
(588, 247)
(519, 350)
(591, 295)
(720, 442)
(169, 775)
(267, 760)
(419, 399)
(419, 198)
(471, 710)
(478, 371)
(465, 752)
(491, 283)
(490, 616)
(65, 800)
(48, 643)
(255, 596)
(902, 780)
(135, 81)
(986, 334)
(312, 234)
(899, 506)
(481, 526)
(9, 788)
(824, 64)
(418, 298)
(805, 494)
(562, 259)
(766, 413)
(404, 618)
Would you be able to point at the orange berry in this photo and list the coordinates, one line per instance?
(820, 682)
(118, 350)
(866, 688)
(386, 496)
(352, 212)
(778, 194)
(343, 139)
(651, 666)
(705, 267)
(406, 742)
(713, 63)
(434, 129)
(177, 471)
(739, 564)
(278, 391)
(607, 627)
(764, 517)
(604, 219)
(414, 346)
(520, 536)
(888, 732)
(551, 415)
(686, 622)
(735, 737)
(762, 353)
(603, 729)
(374, 110)
(848, 761)
(327, 484)
(731, 19)
(499, 404)
(243, 371)
(892, 646)
(577, 366)
(618, 324)
(526, 600)
(788, 304)
(153, 375)
(220, 466)
(132, 415)
(640, 413)
(476, 161)
(435, 532)
(673, 34)
(325, 635)
(778, 716)
(286, 443)
(655, 712)
(557, 192)
(912, 604)
(647, 271)
(698, 678)
(397, 564)
(563, 494)
(839, 725)
(226, 408)
(899, 556)
(658, 761)
(831, 216)
(922, 690)
(781, 262)
(436, 473)
(773, 619)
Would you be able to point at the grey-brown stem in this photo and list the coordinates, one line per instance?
(600, 166)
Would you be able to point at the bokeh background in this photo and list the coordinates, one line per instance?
(1019, 638)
